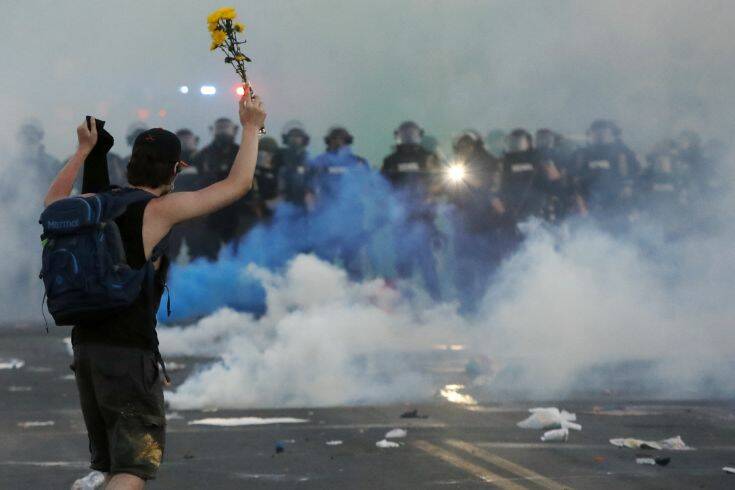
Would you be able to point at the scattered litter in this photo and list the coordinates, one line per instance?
(36, 423)
(413, 414)
(12, 363)
(672, 444)
(556, 435)
(279, 447)
(385, 444)
(14, 389)
(549, 418)
(396, 434)
(675, 444)
(68, 345)
(174, 416)
(175, 366)
(653, 461)
(635, 444)
(728, 469)
(90, 482)
(236, 421)
(334, 443)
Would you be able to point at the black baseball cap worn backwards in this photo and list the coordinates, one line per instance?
(165, 145)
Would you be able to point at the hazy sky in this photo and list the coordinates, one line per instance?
(655, 65)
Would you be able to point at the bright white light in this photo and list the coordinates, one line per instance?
(240, 90)
(456, 173)
(208, 90)
(184, 89)
(453, 394)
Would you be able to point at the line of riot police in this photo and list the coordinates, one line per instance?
(489, 185)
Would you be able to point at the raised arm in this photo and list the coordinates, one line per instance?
(62, 185)
(181, 206)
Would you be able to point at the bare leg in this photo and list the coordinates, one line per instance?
(125, 481)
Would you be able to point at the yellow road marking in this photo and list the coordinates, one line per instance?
(467, 466)
(505, 464)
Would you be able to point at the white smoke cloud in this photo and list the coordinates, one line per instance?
(562, 307)
(566, 310)
(323, 341)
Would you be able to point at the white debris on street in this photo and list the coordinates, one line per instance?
(334, 443)
(386, 444)
(36, 423)
(556, 435)
(396, 434)
(238, 421)
(549, 418)
(12, 363)
(672, 444)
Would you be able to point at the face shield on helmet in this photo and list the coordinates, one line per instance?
(466, 143)
(408, 133)
(519, 141)
(336, 138)
(545, 139)
(295, 138)
(602, 132)
(294, 135)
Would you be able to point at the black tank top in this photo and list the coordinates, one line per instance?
(135, 325)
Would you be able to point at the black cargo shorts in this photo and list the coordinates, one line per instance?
(121, 393)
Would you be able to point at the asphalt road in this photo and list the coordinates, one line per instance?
(457, 445)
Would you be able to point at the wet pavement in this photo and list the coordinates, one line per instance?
(459, 445)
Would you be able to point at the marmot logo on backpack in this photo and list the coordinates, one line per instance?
(61, 224)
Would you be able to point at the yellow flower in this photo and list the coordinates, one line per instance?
(218, 37)
(211, 26)
(213, 46)
(227, 13)
(214, 17)
(240, 57)
(239, 26)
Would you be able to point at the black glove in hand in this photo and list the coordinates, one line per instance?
(96, 176)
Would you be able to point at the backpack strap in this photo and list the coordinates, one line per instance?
(117, 200)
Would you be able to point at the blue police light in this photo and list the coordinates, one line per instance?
(208, 90)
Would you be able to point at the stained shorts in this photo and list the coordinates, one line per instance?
(121, 394)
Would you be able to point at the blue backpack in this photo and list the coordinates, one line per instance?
(84, 268)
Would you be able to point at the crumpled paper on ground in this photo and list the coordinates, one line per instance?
(386, 444)
(548, 418)
(396, 434)
(556, 435)
(671, 444)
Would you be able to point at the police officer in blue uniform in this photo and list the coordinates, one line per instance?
(292, 164)
(412, 172)
(337, 178)
(605, 171)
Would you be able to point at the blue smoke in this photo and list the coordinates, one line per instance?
(356, 227)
